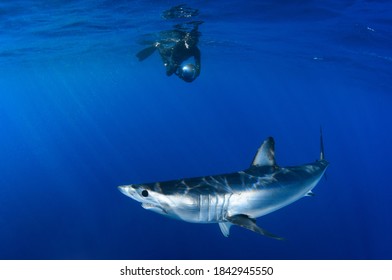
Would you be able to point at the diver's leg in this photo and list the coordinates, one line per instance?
(143, 54)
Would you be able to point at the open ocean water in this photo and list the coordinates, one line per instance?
(80, 115)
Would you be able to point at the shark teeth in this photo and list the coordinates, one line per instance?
(153, 207)
(148, 205)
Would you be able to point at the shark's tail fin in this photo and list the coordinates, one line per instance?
(321, 145)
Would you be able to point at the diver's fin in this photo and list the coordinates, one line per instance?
(144, 53)
(225, 228)
(265, 155)
(249, 223)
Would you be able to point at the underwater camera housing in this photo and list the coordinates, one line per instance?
(187, 72)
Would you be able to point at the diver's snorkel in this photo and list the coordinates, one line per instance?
(187, 72)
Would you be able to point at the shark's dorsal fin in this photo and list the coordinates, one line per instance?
(265, 155)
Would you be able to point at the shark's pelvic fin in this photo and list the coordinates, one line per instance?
(249, 223)
(225, 228)
(265, 155)
(310, 193)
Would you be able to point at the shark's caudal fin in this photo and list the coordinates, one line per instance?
(322, 155)
(245, 222)
(265, 155)
(321, 145)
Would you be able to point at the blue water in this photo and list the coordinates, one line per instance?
(79, 115)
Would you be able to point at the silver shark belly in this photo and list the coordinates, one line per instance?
(257, 203)
(202, 208)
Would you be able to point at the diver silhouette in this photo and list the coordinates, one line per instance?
(178, 50)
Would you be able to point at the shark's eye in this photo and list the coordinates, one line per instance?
(145, 193)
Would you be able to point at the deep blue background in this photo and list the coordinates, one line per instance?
(79, 115)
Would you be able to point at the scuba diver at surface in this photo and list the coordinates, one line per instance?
(178, 50)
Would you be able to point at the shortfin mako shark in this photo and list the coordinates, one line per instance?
(235, 198)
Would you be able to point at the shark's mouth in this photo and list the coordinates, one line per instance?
(149, 205)
(154, 207)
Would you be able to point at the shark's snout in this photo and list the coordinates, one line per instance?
(144, 197)
(126, 190)
(122, 188)
(135, 192)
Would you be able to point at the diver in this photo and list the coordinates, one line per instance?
(179, 52)
(178, 47)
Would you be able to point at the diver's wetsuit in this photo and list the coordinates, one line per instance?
(184, 49)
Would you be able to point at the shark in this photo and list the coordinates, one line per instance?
(236, 198)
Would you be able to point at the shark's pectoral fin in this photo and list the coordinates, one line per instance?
(249, 223)
(225, 228)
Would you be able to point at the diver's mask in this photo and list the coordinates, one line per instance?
(187, 72)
